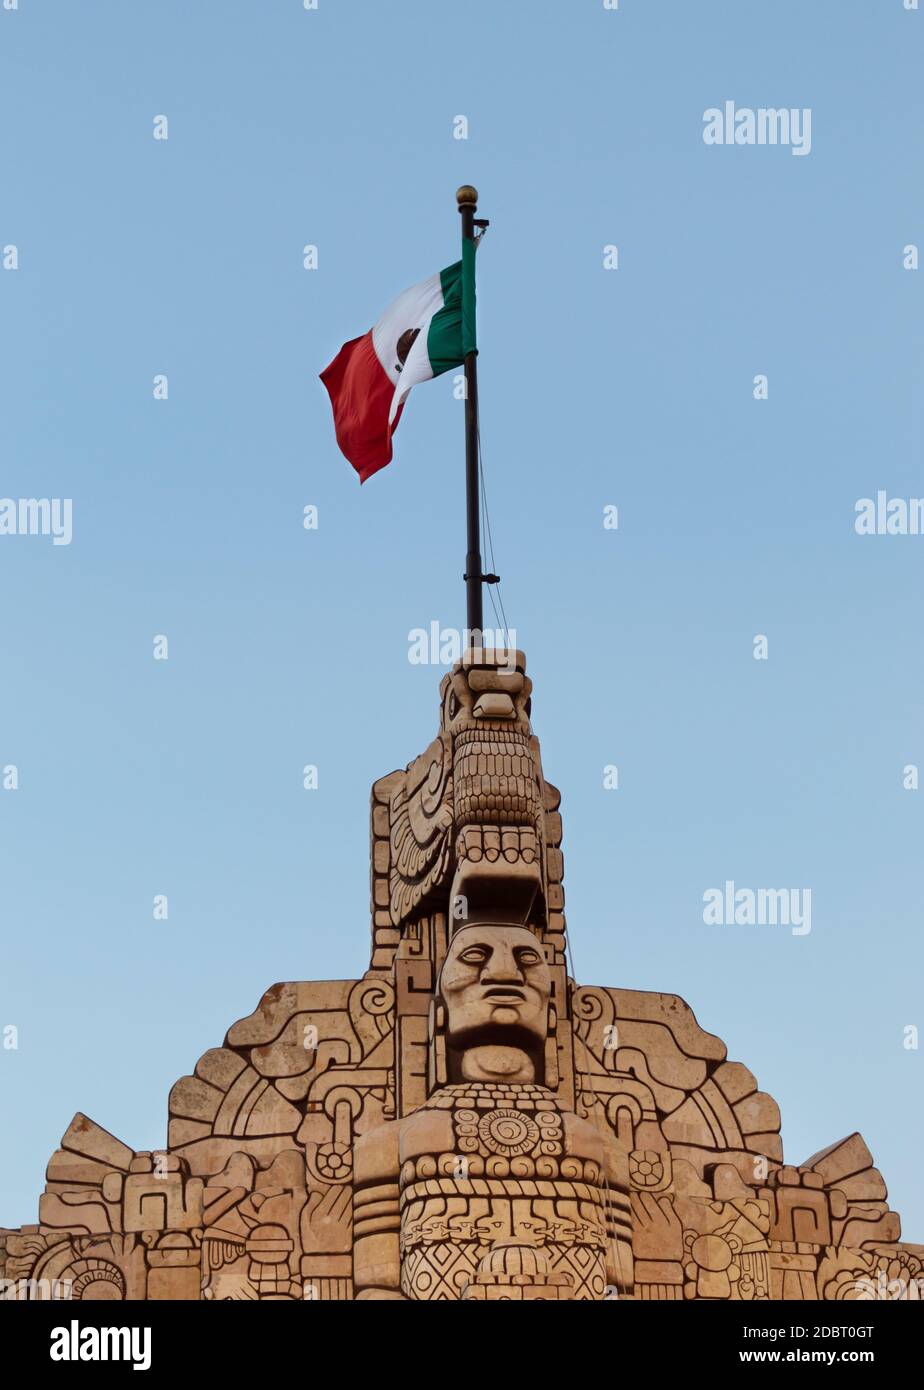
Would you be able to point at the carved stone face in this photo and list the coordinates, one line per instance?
(495, 983)
(488, 691)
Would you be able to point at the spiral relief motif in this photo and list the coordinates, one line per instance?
(508, 1132)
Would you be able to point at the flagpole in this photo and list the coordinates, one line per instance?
(467, 199)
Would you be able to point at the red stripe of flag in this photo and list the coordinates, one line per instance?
(361, 395)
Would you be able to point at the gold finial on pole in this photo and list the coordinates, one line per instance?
(466, 196)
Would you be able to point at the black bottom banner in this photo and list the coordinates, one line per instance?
(276, 1341)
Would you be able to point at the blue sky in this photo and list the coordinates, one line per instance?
(631, 388)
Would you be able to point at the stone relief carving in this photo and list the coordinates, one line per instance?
(464, 1122)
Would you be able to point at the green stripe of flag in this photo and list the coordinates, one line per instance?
(469, 342)
(444, 335)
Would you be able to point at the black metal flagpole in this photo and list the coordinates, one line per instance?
(467, 199)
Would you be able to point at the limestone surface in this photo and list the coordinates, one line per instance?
(464, 1122)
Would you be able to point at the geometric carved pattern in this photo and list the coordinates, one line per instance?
(332, 1133)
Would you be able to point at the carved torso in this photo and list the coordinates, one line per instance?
(490, 1171)
(388, 1138)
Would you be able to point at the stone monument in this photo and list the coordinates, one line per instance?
(465, 1121)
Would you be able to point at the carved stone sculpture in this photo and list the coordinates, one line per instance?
(464, 1122)
(496, 1189)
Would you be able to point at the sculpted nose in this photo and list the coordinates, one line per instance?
(494, 691)
(502, 969)
(494, 705)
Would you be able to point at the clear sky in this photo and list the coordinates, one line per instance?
(632, 388)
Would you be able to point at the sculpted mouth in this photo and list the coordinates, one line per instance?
(506, 995)
(483, 731)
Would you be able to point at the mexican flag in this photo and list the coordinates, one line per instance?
(426, 331)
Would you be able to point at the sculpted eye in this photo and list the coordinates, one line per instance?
(527, 956)
(474, 954)
(452, 708)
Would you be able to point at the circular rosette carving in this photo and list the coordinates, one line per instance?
(95, 1280)
(331, 1163)
(646, 1168)
(508, 1133)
